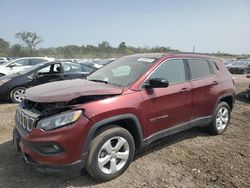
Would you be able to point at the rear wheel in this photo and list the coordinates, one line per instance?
(110, 154)
(221, 118)
(17, 94)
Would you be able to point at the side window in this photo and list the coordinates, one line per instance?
(36, 61)
(71, 67)
(87, 68)
(50, 69)
(21, 62)
(172, 70)
(214, 66)
(45, 70)
(199, 68)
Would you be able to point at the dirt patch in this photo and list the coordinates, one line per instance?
(189, 159)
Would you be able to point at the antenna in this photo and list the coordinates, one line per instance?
(193, 49)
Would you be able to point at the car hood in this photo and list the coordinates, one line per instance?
(64, 91)
(10, 76)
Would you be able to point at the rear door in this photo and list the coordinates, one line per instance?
(204, 87)
(166, 107)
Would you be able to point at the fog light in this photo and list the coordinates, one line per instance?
(48, 149)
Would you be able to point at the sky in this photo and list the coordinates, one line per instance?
(209, 25)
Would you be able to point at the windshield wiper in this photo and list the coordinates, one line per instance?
(102, 81)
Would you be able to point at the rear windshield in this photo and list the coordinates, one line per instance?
(123, 71)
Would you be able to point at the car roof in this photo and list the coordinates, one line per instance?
(174, 54)
(148, 55)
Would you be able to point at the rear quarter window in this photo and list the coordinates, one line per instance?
(214, 66)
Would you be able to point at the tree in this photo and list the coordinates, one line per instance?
(17, 50)
(122, 46)
(4, 47)
(30, 39)
(104, 46)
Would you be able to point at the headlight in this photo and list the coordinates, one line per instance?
(59, 120)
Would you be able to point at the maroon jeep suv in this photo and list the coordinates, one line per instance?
(97, 123)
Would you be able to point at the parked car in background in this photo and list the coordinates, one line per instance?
(100, 122)
(4, 60)
(240, 67)
(13, 87)
(20, 64)
(91, 64)
(228, 63)
(102, 62)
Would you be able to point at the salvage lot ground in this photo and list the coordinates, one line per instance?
(189, 159)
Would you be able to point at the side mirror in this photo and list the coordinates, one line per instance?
(12, 65)
(157, 83)
(85, 74)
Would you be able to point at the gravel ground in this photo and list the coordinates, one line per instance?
(189, 159)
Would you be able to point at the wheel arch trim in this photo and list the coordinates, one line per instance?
(220, 98)
(110, 120)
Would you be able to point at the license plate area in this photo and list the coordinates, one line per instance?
(17, 142)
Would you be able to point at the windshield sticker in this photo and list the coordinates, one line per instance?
(149, 60)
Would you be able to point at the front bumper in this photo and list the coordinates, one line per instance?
(69, 139)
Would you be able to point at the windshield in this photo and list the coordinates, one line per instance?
(123, 71)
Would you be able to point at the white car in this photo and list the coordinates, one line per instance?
(20, 64)
(3, 60)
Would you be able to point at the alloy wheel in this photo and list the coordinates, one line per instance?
(222, 118)
(18, 94)
(113, 155)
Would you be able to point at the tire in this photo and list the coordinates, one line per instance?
(17, 94)
(117, 160)
(221, 118)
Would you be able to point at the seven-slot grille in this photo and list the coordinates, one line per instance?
(26, 121)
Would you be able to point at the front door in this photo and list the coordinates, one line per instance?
(50, 73)
(18, 66)
(166, 107)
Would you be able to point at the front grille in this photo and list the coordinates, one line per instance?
(25, 119)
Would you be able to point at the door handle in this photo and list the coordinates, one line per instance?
(185, 90)
(215, 83)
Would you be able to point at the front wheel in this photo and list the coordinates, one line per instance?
(110, 154)
(221, 118)
(17, 94)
